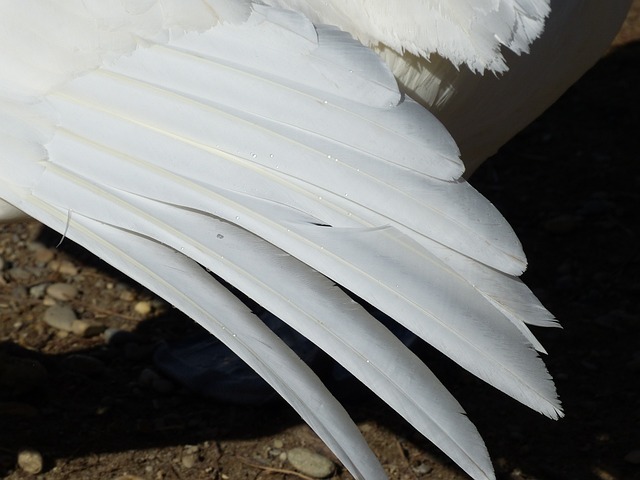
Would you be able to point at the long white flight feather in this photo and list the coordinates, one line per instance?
(277, 224)
(302, 297)
(314, 244)
(358, 171)
(167, 271)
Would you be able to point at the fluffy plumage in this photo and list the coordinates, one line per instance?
(170, 137)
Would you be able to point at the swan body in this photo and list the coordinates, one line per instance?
(261, 141)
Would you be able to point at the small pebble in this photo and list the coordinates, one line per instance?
(30, 461)
(68, 269)
(310, 463)
(48, 301)
(274, 452)
(127, 296)
(189, 460)
(87, 328)
(366, 427)
(35, 246)
(60, 317)
(64, 267)
(38, 291)
(62, 291)
(142, 308)
(19, 274)
(43, 255)
(83, 364)
(422, 469)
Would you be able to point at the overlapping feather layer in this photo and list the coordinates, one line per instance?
(282, 157)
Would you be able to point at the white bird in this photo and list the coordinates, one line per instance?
(260, 141)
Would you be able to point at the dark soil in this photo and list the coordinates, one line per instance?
(569, 185)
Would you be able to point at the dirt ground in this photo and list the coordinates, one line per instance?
(570, 186)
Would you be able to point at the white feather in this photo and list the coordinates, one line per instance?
(275, 223)
(168, 271)
(167, 136)
(299, 295)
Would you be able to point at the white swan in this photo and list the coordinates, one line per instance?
(259, 141)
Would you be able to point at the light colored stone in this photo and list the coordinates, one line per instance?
(422, 469)
(87, 328)
(38, 291)
(19, 274)
(60, 317)
(35, 246)
(127, 295)
(189, 460)
(49, 302)
(191, 449)
(43, 255)
(30, 461)
(142, 308)
(310, 463)
(62, 291)
(64, 267)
